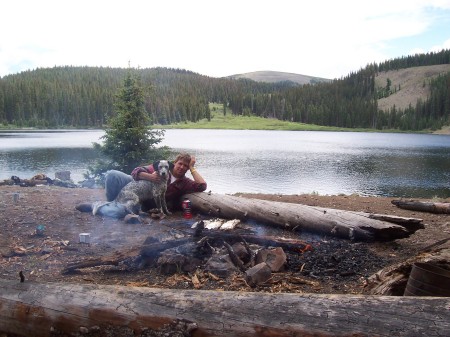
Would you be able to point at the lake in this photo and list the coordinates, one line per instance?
(276, 162)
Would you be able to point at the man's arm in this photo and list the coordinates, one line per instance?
(197, 177)
(145, 173)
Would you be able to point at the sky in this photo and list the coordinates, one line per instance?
(323, 38)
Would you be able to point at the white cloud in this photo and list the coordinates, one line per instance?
(215, 38)
(444, 45)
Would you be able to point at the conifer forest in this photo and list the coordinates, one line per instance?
(83, 97)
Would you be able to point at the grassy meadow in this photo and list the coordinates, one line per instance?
(230, 122)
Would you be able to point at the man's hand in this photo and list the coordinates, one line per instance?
(192, 163)
(154, 177)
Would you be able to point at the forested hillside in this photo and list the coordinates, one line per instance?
(84, 97)
(352, 101)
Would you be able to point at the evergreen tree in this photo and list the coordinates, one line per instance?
(129, 141)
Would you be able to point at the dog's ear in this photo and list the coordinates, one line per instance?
(155, 165)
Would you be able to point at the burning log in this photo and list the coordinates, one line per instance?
(339, 223)
(39, 309)
(422, 206)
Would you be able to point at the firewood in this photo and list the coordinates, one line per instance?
(236, 260)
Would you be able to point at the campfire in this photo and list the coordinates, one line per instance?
(211, 250)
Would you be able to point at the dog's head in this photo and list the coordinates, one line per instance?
(162, 167)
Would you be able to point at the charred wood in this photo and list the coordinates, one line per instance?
(146, 251)
(234, 258)
(262, 240)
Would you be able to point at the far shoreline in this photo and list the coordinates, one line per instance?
(444, 131)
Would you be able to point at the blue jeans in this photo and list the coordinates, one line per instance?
(114, 182)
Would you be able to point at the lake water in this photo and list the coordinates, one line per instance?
(277, 162)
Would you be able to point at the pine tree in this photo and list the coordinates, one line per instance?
(130, 141)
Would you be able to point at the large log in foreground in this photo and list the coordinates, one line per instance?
(334, 222)
(34, 309)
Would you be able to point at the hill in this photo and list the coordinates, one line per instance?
(413, 84)
(276, 76)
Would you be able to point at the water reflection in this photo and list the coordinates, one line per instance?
(401, 165)
(27, 163)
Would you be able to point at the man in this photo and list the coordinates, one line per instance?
(177, 185)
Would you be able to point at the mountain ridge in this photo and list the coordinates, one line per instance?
(271, 76)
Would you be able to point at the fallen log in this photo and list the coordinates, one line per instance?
(39, 309)
(344, 224)
(423, 206)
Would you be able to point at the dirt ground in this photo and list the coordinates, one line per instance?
(42, 256)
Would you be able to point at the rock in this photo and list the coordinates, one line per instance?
(64, 183)
(258, 274)
(88, 183)
(241, 252)
(220, 265)
(7, 182)
(62, 175)
(275, 258)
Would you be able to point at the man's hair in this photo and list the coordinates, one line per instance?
(186, 157)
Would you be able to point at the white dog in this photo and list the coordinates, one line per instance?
(133, 194)
(136, 192)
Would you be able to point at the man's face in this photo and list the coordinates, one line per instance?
(180, 168)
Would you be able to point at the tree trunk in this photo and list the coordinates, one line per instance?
(34, 309)
(422, 206)
(339, 223)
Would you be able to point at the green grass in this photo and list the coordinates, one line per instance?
(230, 122)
